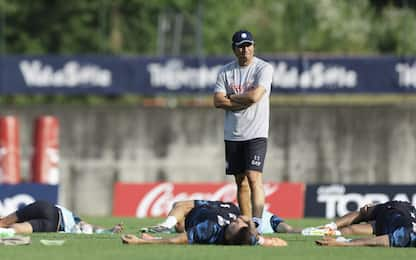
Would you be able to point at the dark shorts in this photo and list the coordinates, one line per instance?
(242, 156)
(42, 216)
(387, 217)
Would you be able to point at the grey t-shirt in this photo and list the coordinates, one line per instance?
(252, 122)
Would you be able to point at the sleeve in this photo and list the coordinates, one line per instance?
(204, 233)
(265, 77)
(220, 83)
(400, 237)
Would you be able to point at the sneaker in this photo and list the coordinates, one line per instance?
(15, 241)
(158, 229)
(6, 232)
(320, 231)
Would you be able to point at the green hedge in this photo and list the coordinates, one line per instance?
(130, 27)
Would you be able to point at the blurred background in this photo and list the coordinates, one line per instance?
(124, 91)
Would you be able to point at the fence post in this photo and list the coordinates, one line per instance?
(45, 156)
(9, 150)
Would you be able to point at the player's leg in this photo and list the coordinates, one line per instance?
(243, 195)
(175, 220)
(176, 217)
(22, 228)
(348, 219)
(40, 216)
(255, 153)
(274, 224)
(34, 210)
(357, 229)
(8, 220)
(257, 195)
(349, 223)
(236, 165)
(5, 225)
(336, 227)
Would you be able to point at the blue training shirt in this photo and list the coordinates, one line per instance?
(206, 222)
(399, 228)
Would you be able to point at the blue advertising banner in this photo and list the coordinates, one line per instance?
(12, 197)
(112, 75)
(336, 200)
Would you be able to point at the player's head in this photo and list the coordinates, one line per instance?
(241, 232)
(243, 47)
(242, 37)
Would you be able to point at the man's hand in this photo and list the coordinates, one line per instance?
(131, 239)
(327, 241)
(273, 241)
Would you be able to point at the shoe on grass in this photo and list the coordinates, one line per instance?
(320, 231)
(157, 229)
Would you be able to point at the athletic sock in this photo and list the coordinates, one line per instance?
(170, 222)
(332, 226)
(259, 225)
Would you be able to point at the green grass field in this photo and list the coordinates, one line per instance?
(100, 247)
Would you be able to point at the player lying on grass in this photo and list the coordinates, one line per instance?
(393, 223)
(42, 216)
(365, 221)
(210, 222)
(175, 221)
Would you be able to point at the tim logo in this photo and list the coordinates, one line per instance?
(256, 160)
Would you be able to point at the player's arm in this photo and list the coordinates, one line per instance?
(221, 100)
(147, 239)
(271, 241)
(249, 97)
(378, 241)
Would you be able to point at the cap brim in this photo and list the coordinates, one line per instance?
(242, 42)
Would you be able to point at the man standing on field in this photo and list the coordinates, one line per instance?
(243, 90)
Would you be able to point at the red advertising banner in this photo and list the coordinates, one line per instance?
(155, 199)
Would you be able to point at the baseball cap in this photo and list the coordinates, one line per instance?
(242, 36)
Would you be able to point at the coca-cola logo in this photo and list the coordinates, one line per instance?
(159, 200)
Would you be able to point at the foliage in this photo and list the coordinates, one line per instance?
(200, 28)
(183, 27)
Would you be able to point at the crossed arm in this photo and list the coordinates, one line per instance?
(236, 102)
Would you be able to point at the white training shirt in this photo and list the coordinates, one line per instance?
(252, 122)
(68, 219)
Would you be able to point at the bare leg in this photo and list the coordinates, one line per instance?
(181, 208)
(22, 228)
(243, 195)
(286, 228)
(8, 220)
(357, 229)
(255, 181)
(348, 219)
(176, 216)
(356, 217)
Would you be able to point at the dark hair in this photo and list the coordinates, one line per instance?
(243, 237)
